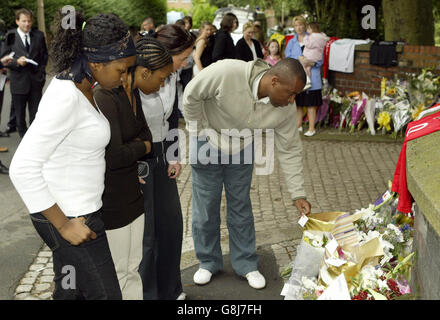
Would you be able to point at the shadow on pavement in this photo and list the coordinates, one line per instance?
(227, 285)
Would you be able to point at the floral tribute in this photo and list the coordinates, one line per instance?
(400, 102)
(371, 248)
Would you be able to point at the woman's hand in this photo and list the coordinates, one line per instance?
(141, 181)
(76, 232)
(174, 170)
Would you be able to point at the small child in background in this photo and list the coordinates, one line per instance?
(274, 52)
(314, 44)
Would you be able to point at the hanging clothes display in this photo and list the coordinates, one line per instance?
(383, 54)
(342, 54)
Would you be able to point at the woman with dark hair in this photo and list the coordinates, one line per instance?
(123, 203)
(58, 168)
(247, 48)
(224, 47)
(163, 234)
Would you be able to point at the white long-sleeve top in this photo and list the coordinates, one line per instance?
(61, 157)
(157, 108)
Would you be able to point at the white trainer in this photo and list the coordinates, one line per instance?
(256, 280)
(300, 129)
(202, 276)
(181, 296)
(309, 133)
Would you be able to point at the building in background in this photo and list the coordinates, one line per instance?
(179, 4)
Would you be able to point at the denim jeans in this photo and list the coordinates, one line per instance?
(207, 184)
(83, 272)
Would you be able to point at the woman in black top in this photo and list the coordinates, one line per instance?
(223, 44)
(131, 140)
(202, 53)
(248, 49)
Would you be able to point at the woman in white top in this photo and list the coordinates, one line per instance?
(58, 168)
(163, 233)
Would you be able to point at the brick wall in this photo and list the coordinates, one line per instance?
(367, 77)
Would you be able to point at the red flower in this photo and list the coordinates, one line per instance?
(393, 287)
(363, 295)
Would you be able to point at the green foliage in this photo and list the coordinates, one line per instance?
(132, 12)
(202, 11)
(7, 12)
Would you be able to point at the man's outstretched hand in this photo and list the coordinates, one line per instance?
(303, 206)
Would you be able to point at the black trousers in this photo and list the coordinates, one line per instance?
(83, 272)
(163, 234)
(12, 124)
(31, 99)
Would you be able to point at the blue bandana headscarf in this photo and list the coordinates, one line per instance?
(80, 69)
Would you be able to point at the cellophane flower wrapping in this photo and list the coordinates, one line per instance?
(378, 268)
(306, 264)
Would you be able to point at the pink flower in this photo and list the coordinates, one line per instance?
(403, 286)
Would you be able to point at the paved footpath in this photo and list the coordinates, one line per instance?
(339, 176)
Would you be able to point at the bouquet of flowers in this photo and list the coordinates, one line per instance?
(422, 90)
(375, 264)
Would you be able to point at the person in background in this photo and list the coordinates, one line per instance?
(274, 55)
(311, 98)
(26, 78)
(131, 140)
(180, 23)
(12, 124)
(163, 234)
(224, 47)
(247, 48)
(202, 54)
(188, 23)
(259, 35)
(314, 44)
(59, 166)
(3, 62)
(186, 73)
(147, 27)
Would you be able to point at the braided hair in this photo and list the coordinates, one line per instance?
(151, 54)
(67, 43)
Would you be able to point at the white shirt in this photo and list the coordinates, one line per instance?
(265, 100)
(61, 157)
(254, 53)
(157, 108)
(22, 34)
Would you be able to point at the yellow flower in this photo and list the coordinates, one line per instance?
(383, 85)
(384, 120)
(417, 111)
(391, 91)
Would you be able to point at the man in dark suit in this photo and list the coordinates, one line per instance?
(26, 79)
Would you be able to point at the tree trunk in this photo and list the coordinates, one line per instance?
(40, 14)
(410, 21)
